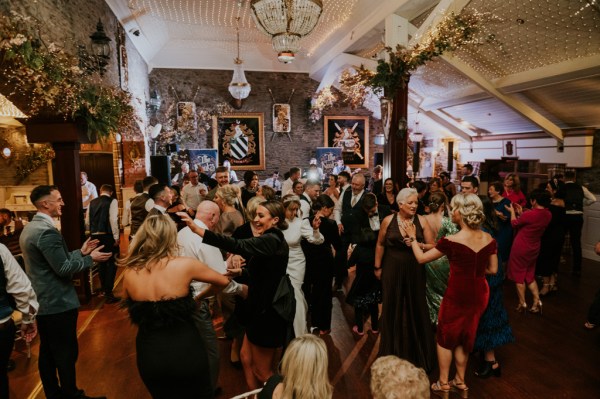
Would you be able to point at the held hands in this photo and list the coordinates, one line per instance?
(235, 263)
(28, 331)
(88, 246)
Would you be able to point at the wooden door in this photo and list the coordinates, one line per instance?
(99, 168)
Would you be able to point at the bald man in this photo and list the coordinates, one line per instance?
(207, 216)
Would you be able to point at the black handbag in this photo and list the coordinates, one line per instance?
(284, 301)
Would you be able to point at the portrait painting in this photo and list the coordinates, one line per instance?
(239, 138)
(282, 121)
(351, 134)
(187, 120)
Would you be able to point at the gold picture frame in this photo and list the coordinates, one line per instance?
(240, 138)
(351, 134)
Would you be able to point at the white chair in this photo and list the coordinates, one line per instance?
(248, 395)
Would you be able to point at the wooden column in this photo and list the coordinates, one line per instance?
(396, 150)
(66, 139)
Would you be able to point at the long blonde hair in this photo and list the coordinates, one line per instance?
(304, 369)
(155, 239)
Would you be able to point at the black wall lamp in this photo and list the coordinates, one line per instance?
(98, 59)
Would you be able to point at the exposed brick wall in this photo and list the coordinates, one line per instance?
(280, 153)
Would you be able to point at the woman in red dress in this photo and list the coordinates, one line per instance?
(472, 255)
(530, 227)
(512, 189)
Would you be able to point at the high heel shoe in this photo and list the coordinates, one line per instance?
(521, 308)
(487, 369)
(536, 308)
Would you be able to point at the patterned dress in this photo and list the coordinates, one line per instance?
(437, 273)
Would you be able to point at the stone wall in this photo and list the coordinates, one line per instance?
(208, 89)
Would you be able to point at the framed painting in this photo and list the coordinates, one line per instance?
(282, 121)
(351, 134)
(240, 139)
(187, 121)
(134, 164)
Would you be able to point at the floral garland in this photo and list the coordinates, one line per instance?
(323, 99)
(453, 32)
(33, 160)
(50, 82)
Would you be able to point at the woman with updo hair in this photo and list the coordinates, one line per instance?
(226, 198)
(438, 270)
(472, 254)
(250, 186)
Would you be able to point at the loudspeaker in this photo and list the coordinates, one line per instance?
(160, 167)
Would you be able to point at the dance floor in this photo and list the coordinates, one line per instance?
(553, 356)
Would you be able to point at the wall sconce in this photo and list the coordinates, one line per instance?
(379, 139)
(6, 149)
(98, 59)
(402, 128)
(153, 104)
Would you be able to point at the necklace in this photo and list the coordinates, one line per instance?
(400, 222)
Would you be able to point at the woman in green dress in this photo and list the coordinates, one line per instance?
(437, 271)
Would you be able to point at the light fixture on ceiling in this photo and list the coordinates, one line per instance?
(286, 21)
(239, 86)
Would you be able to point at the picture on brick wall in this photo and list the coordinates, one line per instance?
(133, 161)
(239, 138)
(351, 134)
(187, 120)
(282, 120)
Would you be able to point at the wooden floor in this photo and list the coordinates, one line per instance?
(553, 357)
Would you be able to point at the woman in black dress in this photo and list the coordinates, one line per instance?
(266, 262)
(387, 198)
(171, 357)
(405, 326)
(319, 266)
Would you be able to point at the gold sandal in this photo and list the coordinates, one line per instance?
(460, 388)
(438, 389)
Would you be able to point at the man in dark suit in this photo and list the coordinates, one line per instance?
(345, 214)
(162, 197)
(50, 266)
(103, 219)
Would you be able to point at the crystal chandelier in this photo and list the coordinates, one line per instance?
(239, 86)
(286, 21)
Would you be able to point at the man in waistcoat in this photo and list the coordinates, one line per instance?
(576, 196)
(50, 267)
(345, 214)
(141, 205)
(312, 190)
(103, 215)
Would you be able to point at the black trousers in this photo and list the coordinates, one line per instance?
(317, 290)
(341, 261)
(107, 270)
(58, 354)
(574, 225)
(594, 310)
(7, 339)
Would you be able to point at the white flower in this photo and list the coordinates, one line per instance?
(18, 40)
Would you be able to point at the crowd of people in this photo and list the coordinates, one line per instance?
(429, 262)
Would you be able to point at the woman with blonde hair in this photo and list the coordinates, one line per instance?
(171, 357)
(395, 378)
(303, 373)
(472, 254)
(226, 198)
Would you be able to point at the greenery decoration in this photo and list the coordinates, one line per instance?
(322, 100)
(50, 82)
(35, 158)
(453, 32)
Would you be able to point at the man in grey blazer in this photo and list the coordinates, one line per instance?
(50, 267)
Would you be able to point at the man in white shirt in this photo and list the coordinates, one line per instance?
(274, 182)
(162, 197)
(286, 188)
(311, 192)
(103, 220)
(192, 194)
(88, 191)
(14, 283)
(207, 216)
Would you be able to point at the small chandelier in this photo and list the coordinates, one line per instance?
(239, 86)
(286, 21)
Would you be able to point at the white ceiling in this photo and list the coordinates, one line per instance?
(538, 70)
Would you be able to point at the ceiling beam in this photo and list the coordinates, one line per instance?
(383, 9)
(443, 8)
(442, 121)
(516, 105)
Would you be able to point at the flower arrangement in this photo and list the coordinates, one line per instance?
(323, 99)
(49, 82)
(453, 32)
(35, 158)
